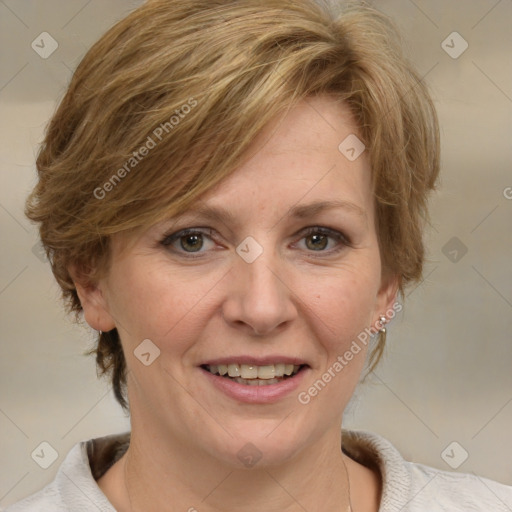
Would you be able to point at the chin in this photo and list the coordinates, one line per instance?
(258, 444)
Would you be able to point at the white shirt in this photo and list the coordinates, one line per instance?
(407, 487)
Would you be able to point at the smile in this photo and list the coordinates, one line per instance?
(252, 375)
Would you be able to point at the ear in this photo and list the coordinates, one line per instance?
(387, 295)
(92, 299)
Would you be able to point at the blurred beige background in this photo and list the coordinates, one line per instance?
(447, 375)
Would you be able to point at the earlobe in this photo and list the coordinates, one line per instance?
(387, 296)
(94, 305)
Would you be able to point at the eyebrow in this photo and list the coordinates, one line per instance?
(298, 211)
(308, 210)
(213, 213)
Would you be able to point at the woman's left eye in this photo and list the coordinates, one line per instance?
(320, 239)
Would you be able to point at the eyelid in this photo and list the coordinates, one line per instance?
(334, 233)
(175, 235)
(341, 238)
(168, 240)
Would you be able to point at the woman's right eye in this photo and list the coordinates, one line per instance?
(189, 241)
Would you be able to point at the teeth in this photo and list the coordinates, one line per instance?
(257, 382)
(248, 371)
(266, 372)
(233, 370)
(252, 374)
(279, 370)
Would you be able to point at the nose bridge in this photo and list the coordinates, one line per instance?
(262, 280)
(258, 297)
(258, 262)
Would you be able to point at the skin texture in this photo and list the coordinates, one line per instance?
(291, 301)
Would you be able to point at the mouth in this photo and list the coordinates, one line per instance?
(254, 375)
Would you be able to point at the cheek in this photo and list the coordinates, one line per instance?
(341, 311)
(157, 304)
(343, 306)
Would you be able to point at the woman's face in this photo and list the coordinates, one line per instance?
(277, 266)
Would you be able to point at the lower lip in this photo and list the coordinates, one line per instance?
(265, 394)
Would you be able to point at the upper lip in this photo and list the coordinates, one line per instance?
(255, 361)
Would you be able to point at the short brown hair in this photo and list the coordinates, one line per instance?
(207, 76)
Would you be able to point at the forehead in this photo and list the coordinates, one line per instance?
(297, 159)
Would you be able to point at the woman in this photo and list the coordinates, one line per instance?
(233, 194)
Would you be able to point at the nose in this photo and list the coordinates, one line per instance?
(258, 300)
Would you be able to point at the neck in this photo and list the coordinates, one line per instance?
(162, 475)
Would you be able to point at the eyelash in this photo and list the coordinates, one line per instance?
(340, 238)
(169, 239)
